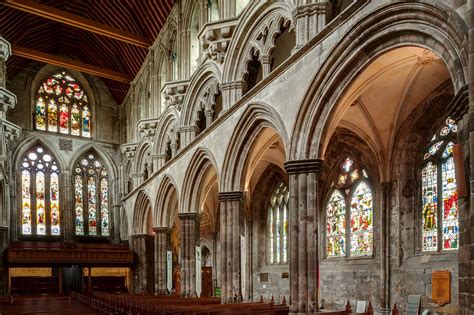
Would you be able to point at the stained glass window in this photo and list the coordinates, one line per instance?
(92, 201)
(40, 206)
(278, 225)
(439, 197)
(350, 200)
(62, 106)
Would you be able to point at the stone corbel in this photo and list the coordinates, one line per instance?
(129, 150)
(174, 93)
(147, 127)
(5, 49)
(7, 100)
(215, 37)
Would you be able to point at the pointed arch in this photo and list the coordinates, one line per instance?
(256, 117)
(142, 215)
(206, 79)
(167, 203)
(201, 165)
(259, 17)
(143, 157)
(166, 131)
(393, 26)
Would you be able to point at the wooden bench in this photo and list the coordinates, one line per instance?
(146, 304)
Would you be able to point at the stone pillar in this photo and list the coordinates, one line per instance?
(116, 224)
(386, 215)
(3, 268)
(144, 272)
(466, 206)
(8, 132)
(231, 228)
(266, 61)
(187, 134)
(231, 93)
(303, 211)
(209, 116)
(189, 234)
(162, 244)
(311, 17)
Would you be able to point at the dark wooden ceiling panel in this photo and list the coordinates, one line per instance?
(143, 18)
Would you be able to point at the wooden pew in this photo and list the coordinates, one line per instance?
(131, 304)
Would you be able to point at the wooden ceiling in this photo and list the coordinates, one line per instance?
(107, 38)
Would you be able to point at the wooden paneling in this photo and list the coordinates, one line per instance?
(141, 18)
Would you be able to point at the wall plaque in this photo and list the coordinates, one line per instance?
(65, 145)
(441, 286)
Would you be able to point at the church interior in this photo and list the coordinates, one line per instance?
(236, 157)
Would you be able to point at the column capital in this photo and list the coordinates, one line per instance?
(162, 230)
(231, 196)
(5, 49)
(189, 216)
(304, 166)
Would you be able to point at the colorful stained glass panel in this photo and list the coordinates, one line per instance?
(361, 221)
(40, 204)
(104, 206)
(92, 199)
(336, 225)
(64, 119)
(429, 187)
(26, 202)
(40, 114)
(79, 205)
(449, 205)
(54, 195)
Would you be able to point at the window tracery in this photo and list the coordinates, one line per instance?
(91, 197)
(40, 204)
(439, 211)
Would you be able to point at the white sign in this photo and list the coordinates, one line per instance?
(198, 271)
(243, 259)
(169, 271)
